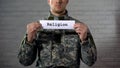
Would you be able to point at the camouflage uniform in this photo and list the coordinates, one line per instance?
(57, 48)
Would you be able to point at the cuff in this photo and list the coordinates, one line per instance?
(29, 43)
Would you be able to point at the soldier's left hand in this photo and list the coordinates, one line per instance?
(82, 30)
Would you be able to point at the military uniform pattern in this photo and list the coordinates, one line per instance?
(58, 48)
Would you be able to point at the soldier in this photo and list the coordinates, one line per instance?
(54, 48)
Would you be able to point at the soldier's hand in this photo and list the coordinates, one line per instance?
(32, 29)
(82, 30)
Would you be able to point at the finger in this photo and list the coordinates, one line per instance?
(79, 32)
(38, 25)
(77, 25)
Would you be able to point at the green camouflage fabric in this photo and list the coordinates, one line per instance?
(54, 48)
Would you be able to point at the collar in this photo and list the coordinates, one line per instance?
(53, 17)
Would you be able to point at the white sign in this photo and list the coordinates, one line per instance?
(57, 24)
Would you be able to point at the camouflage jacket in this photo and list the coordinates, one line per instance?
(57, 48)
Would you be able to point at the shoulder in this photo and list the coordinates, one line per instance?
(76, 20)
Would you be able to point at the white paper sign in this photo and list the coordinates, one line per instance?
(57, 24)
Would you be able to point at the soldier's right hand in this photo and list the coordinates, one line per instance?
(32, 29)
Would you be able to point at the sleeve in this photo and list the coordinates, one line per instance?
(27, 52)
(88, 51)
